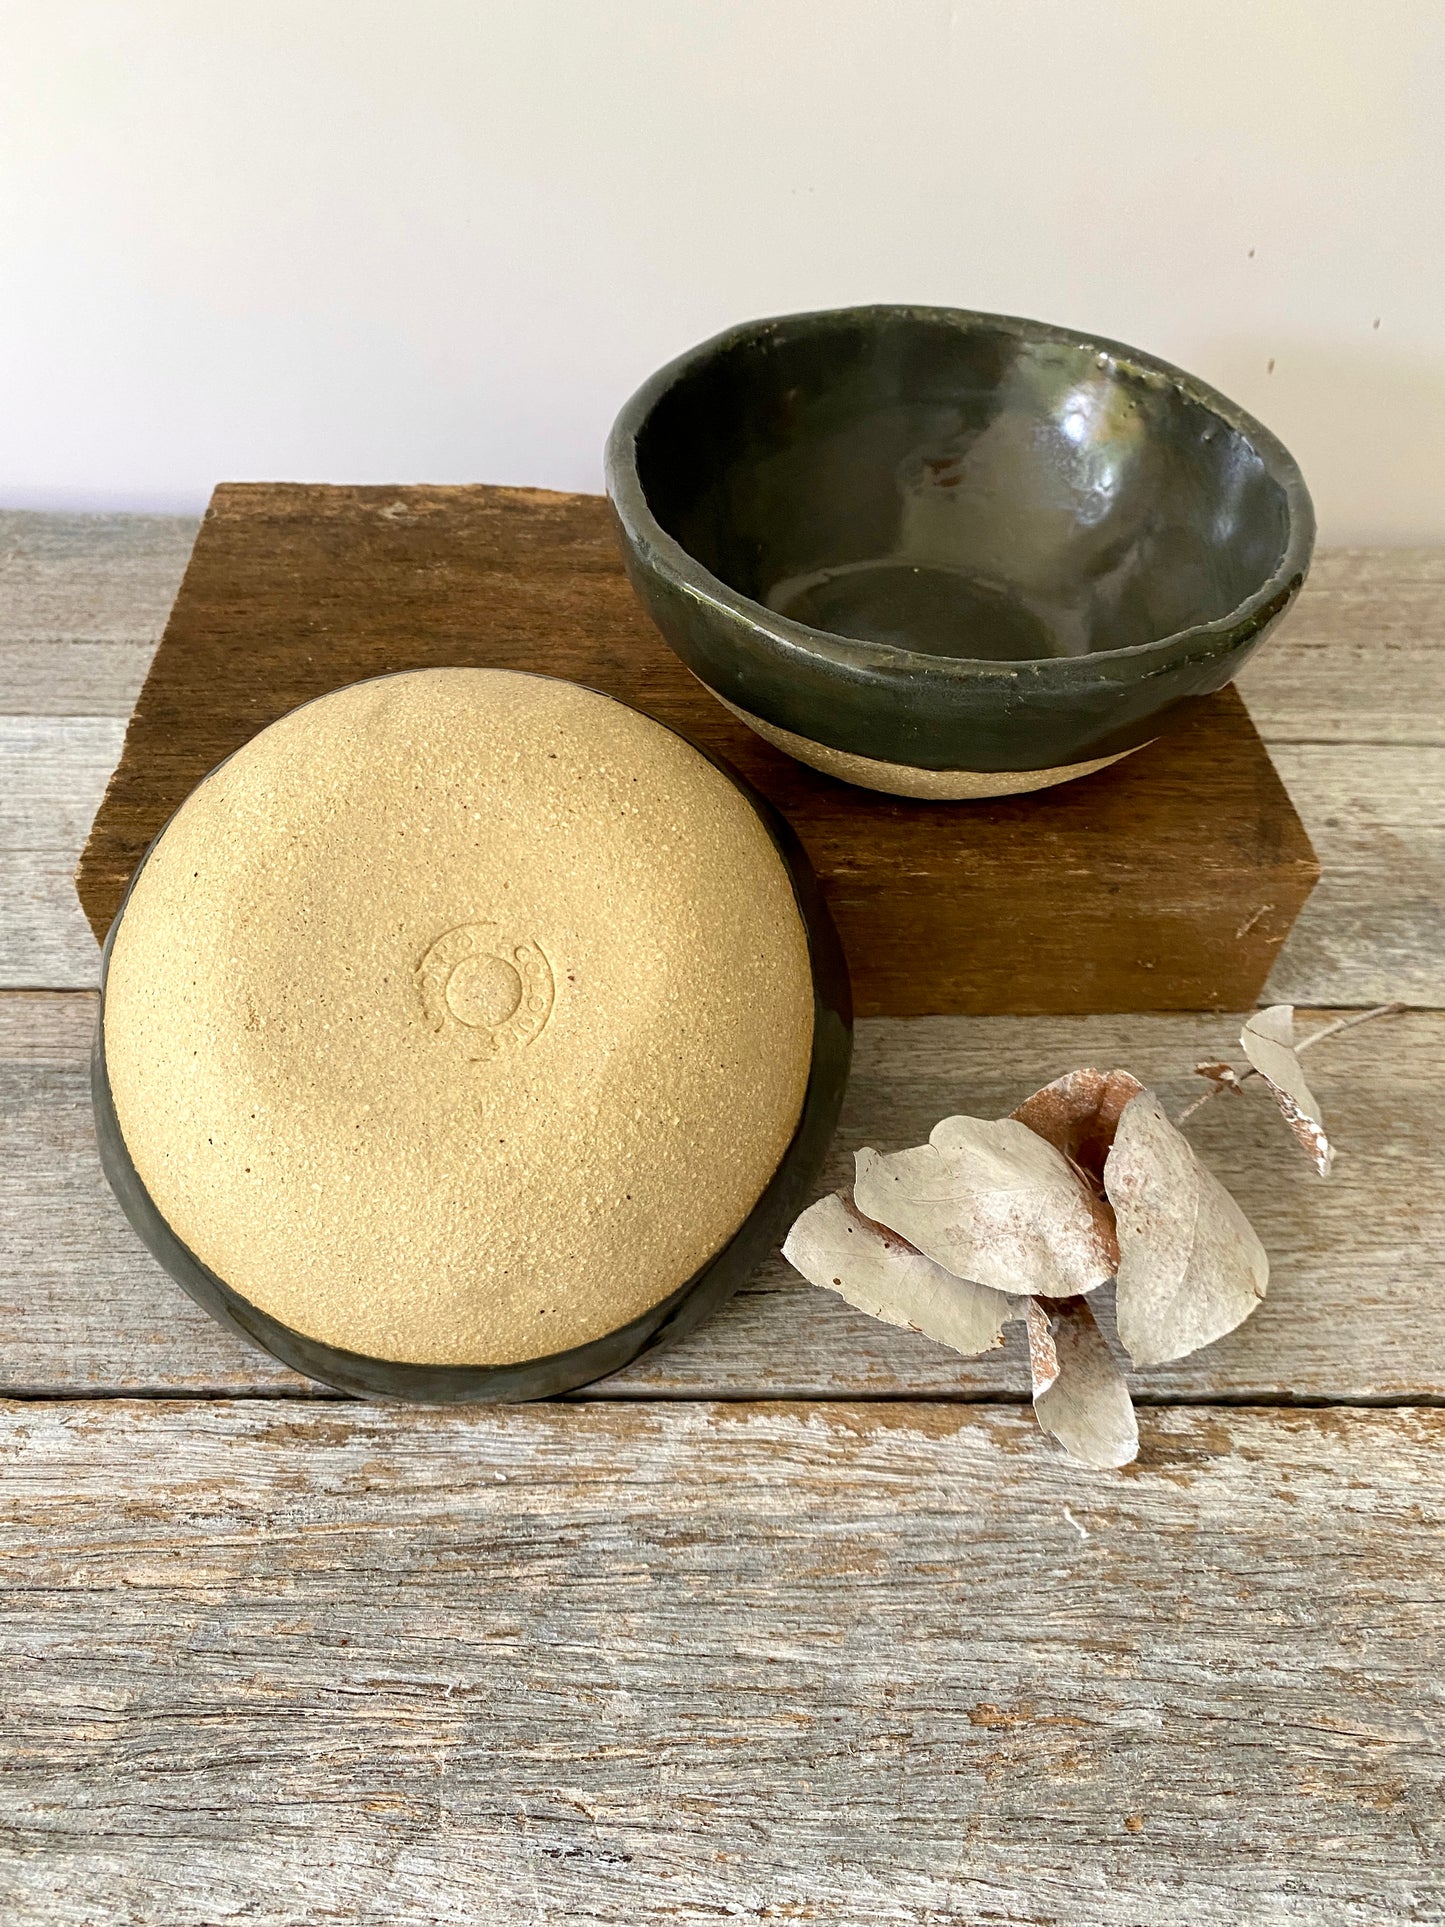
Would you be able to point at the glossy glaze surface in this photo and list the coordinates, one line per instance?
(953, 540)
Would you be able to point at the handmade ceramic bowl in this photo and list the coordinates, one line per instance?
(466, 1035)
(948, 554)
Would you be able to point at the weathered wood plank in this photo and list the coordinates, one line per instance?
(678, 1663)
(64, 677)
(624, 1662)
(96, 578)
(1374, 930)
(83, 600)
(1356, 1308)
(1359, 658)
(56, 769)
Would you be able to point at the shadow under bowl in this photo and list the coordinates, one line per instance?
(951, 554)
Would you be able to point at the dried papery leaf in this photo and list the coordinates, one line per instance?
(1083, 1401)
(1043, 1353)
(835, 1246)
(1190, 1265)
(1078, 1114)
(993, 1202)
(1268, 1040)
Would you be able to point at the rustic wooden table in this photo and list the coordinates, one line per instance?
(802, 1620)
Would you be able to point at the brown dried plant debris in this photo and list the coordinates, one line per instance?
(1223, 1074)
(1080, 1397)
(1190, 1265)
(1079, 1114)
(1273, 1052)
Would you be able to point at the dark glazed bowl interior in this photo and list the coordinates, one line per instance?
(859, 497)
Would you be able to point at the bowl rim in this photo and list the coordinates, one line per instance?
(666, 553)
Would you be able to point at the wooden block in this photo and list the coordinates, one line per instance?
(1167, 882)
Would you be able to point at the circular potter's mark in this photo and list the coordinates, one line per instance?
(498, 988)
(484, 992)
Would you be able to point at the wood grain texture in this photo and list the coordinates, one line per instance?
(1167, 881)
(1356, 1308)
(636, 1664)
(70, 677)
(83, 600)
(1361, 653)
(1358, 658)
(89, 578)
(55, 772)
(634, 1659)
(1374, 931)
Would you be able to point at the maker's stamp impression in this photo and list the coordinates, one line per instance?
(497, 986)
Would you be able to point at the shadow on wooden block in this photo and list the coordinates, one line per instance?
(1167, 882)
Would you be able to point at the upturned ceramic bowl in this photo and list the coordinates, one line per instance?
(948, 554)
(457, 1039)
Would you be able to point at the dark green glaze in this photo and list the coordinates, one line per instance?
(790, 1187)
(953, 540)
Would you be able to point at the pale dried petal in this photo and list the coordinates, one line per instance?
(1079, 1113)
(1082, 1401)
(1268, 1040)
(1190, 1265)
(835, 1246)
(1043, 1353)
(994, 1202)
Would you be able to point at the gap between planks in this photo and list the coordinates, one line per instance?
(595, 1395)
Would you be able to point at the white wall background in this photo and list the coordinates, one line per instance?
(388, 240)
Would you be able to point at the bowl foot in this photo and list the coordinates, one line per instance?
(903, 779)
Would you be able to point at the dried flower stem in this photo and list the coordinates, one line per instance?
(1315, 1037)
(1347, 1023)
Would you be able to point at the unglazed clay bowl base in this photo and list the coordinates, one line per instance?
(466, 1034)
(903, 779)
(989, 550)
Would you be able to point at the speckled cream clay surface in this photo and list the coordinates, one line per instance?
(460, 1017)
